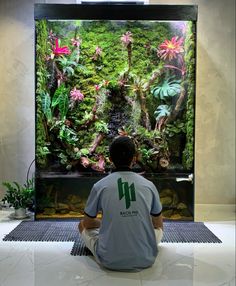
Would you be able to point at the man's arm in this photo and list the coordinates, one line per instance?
(157, 221)
(90, 222)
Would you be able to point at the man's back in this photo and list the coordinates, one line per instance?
(126, 237)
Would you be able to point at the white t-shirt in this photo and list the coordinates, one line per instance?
(126, 237)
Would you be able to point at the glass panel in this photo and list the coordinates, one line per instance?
(98, 79)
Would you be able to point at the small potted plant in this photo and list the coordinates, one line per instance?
(19, 196)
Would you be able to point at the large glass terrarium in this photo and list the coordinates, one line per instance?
(110, 70)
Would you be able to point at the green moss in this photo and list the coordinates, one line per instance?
(42, 49)
(188, 153)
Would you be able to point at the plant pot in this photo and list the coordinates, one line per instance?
(20, 213)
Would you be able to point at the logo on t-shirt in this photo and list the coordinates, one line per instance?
(126, 191)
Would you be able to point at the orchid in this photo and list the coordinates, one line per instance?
(126, 39)
(57, 51)
(171, 49)
(98, 53)
(51, 36)
(76, 95)
(76, 42)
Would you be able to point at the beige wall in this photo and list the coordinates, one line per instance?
(215, 106)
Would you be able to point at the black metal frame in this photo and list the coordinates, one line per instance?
(116, 12)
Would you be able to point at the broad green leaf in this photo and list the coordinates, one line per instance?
(63, 105)
(161, 111)
(46, 102)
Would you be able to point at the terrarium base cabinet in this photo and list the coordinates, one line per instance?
(65, 196)
(104, 71)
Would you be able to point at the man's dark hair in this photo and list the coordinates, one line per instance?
(122, 151)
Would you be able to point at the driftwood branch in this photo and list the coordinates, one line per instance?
(177, 108)
(145, 115)
(96, 142)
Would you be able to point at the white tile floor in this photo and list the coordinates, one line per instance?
(50, 263)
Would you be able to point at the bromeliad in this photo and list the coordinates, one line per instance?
(57, 51)
(126, 39)
(76, 95)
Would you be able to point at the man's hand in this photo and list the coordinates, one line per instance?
(157, 221)
(88, 223)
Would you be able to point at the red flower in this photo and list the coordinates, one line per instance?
(170, 49)
(57, 51)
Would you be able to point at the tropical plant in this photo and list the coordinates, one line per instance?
(146, 154)
(19, 196)
(67, 65)
(68, 135)
(46, 105)
(175, 128)
(58, 51)
(60, 99)
(101, 126)
(169, 88)
(162, 111)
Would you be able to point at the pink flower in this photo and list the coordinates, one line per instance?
(76, 95)
(51, 36)
(97, 87)
(98, 51)
(75, 42)
(170, 49)
(57, 51)
(126, 39)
